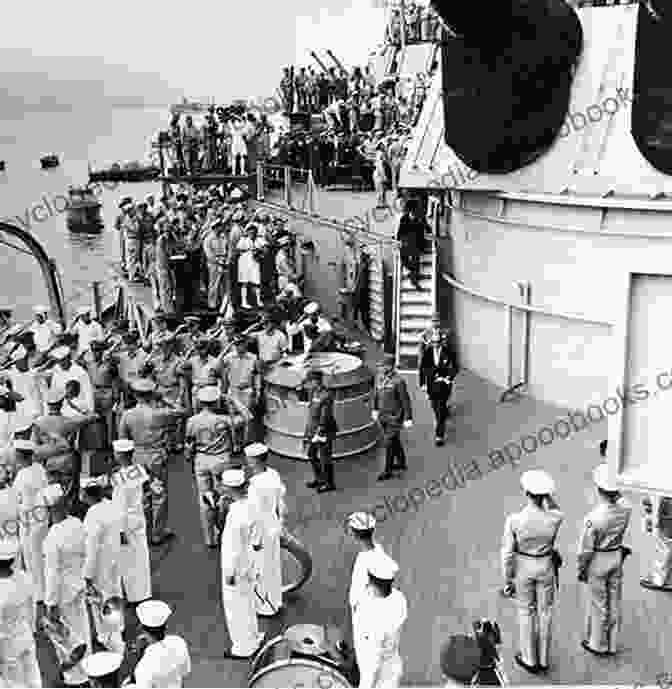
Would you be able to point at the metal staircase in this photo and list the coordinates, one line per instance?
(413, 308)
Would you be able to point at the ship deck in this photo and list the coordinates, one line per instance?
(447, 546)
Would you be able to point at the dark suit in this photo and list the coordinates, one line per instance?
(393, 404)
(433, 375)
(321, 422)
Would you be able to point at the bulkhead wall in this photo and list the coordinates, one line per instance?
(571, 251)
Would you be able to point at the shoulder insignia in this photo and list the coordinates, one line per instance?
(589, 524)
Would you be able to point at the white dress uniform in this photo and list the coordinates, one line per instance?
(528, 540)
(60, 377)
(86, 334)
(600, 558)
(322, 324)
(9, 512)
(237, 557)
(29, 483)
(18, 657)
(27, 384)
(267, 492)
(45, 334)
(164, 664)
(103, 525)
(378, 622)
(127, 494)
(360, 576)
(64, 554)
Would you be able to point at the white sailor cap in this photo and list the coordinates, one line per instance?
(209, 393)
(233, 478)
(123, 445)
(382, 566)
(52, 494)
(283, 240)
(9, 548)
(361, 521)
(604, 479)
(83, 310)
(143, 385)
(60, 353)
(40, 308)
(153, 613)
(24, 445)
(149, 196)
(311, 308)
(537, 482)
(256, 450)
(19, 353)
(102, 663)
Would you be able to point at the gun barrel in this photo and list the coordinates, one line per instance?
(313, 54)
(336, 61)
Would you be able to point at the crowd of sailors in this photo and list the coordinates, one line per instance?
(413, 23)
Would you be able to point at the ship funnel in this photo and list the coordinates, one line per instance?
(506, 78)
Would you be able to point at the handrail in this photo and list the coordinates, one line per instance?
(556, 228)
(340, 226)
(523, 307)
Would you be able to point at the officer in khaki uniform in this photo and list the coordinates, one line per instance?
(146, 426)
(209, 442)
(600, 562)
(392, 408)
(529, 570)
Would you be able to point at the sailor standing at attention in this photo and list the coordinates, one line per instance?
(600, 559)
(165, 661)
(528, 568)
(129, 482)
(267, 493)
(103, 525)
(18, 656)
(64, 555)
(240, 541)
(380, 616)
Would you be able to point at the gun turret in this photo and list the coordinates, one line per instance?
(507, 83)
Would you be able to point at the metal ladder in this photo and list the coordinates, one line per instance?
(413, 308)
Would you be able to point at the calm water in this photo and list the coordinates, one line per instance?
(29, 193)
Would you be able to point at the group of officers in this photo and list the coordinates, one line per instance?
(207, 243)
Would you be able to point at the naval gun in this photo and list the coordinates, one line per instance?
(507, 78)
(323, 67)
(337, 62)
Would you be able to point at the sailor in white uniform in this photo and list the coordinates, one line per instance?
(267, 493)
(102, 668)
(18, 657)
(241, 539)
(26, 384)
(527, 566)
(313, 319)
(64, 554)
(103, 526)
(29, 483)
(600, 560)
(128, 482)
(166, 660)
(379, 619)
(45, 331)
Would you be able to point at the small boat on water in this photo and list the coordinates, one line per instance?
(49, 161)
(83, 211)
(187, 107)
(128, 172)
(2, 166)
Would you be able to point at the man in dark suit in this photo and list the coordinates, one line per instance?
(321, 429)
(438, 368)
(392, 408)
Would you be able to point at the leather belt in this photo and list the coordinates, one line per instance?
(615, 549)
(531, 555)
